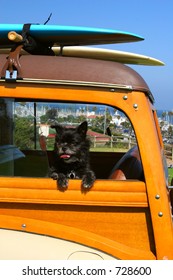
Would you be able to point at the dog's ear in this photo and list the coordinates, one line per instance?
(82, 128)
(58, 128)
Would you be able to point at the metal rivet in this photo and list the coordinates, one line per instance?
(125, 97)
(160, 214)
(157, 196)
(23, 225)
(135, 106)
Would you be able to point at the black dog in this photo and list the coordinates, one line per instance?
(72, 156)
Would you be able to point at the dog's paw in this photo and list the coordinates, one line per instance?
(88, 180)
(62, 181)
(54, 175)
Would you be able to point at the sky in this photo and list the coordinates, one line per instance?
(151, 19)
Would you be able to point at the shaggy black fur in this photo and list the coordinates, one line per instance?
(72, 156)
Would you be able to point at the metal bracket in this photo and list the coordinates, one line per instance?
(12, 68)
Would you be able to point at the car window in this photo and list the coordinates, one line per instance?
(27, 139)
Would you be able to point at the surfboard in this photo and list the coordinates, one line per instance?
(103, 54)
(67, 35)
(110, 55)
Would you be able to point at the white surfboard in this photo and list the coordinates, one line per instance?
(107, 54)
(103, 54)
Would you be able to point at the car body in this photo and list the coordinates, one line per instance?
(119, 217)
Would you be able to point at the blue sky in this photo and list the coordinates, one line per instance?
(151, 19)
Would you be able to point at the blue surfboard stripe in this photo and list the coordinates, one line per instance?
(60, 28)
(63, 34)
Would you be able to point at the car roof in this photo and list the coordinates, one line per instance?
(81, 71)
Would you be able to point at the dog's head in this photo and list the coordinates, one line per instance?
(71, 144)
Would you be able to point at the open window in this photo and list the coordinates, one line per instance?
(27, 140)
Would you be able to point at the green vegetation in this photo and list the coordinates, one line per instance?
(107, 149)
(170, 173)
(24, 132)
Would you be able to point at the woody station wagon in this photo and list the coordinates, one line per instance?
(127, 214)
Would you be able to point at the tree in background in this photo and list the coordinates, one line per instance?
(24, 133)
(51, 114)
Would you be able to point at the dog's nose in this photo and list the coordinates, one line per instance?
(64, 148)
